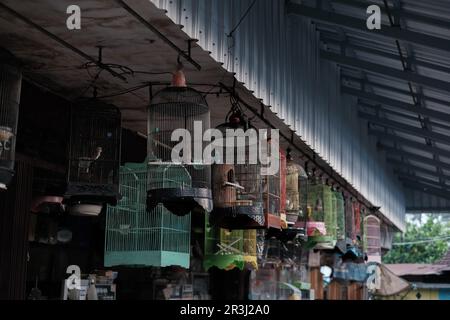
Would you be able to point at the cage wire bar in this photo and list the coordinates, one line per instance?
(137, 237)
(185, 186)
(10, 89)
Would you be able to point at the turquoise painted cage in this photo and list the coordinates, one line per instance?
(135, 237)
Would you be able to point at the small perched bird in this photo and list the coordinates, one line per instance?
(97, 154)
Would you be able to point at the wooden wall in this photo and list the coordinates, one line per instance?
(14, 221)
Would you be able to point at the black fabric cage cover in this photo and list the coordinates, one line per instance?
(181, 187)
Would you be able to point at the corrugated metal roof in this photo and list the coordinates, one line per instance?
(277, 56)
(409, 101)
(445, 260)
(416, 269)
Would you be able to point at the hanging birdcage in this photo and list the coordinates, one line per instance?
(352, 231)
(272, 252)
(372, 238)
(274, 195)
(229, 249)
(181, 112)
(94, 157)
(237, 182)
(10, 87)
(340, 216)
(322, 224)
(349, 220)
(296, 198)
(291, 253)
(136, 237)
(357, 218)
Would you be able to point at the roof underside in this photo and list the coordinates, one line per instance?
(133, 55)
(401, 77)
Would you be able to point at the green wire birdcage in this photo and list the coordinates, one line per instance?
(137, 237)
(322, 201)
(340, 216)
(226, 250)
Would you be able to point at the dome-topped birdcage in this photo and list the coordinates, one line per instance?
(296, 191)
(237, 183)
(182, 185)
(372, 238)
(10, 87)
(295, 201)
(94, 157)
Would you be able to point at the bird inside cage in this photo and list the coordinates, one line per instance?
(5, 134)
(87, 165)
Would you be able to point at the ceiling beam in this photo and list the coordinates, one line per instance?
(365, 83)
(360, 25)
(405, 128)
(430, 210)
(346, 44)
(388, 110)
(413, 156)
(409, 143)
(397, 104)
(62, 42)
(434, 21)
(430, 182)
(403, 165)
(388, 71)
(153, 28)
(425, 188)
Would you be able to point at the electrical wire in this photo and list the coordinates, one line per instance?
(123, 92)
(242, 18)
(91, 84)
(421, 241)
(230, 37)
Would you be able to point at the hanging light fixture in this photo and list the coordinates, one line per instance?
(185, 186)
(10, 87)
(237, 188)
(94, 158)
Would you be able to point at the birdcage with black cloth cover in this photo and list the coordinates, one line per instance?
(135, 237)
(181, 113)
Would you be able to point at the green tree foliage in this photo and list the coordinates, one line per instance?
(426, 252)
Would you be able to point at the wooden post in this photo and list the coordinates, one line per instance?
(317, 283)
(355, 291)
